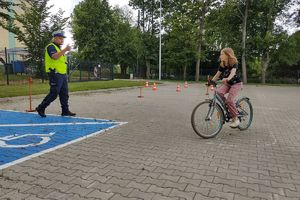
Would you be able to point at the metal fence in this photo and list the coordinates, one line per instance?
(90, 71)
(14, 69)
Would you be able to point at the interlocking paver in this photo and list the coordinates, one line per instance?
(160, 197)
(223, 195)
(179, 186)
(15, 195)
(63, 187)
(252, 186)
(120, 190)
(158, 182)
(195, 182)
(39, 191)
(201, 190)
(224, 181)
(158, 156)
(235, 190)
(140, 186)
(136, 193)
(100, 195)
(255, 194)
(79, 190)
(290, 193)
(186, 195)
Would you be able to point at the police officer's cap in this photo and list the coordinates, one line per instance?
(58, 34)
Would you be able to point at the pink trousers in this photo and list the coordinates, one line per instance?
(232, 94)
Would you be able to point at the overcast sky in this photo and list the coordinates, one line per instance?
(68, 6)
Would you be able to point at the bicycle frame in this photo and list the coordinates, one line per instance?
(217, 99)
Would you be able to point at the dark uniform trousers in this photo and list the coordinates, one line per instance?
(58, 87)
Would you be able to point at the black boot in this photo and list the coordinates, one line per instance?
(40, 111)
(68, 113)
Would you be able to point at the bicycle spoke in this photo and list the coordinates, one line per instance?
(245, 113)
(207, 121)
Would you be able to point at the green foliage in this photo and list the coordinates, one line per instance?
(106, 35)
(127, 40)
(288, 52)
(262, 27)
(6, 7)
(93, 27)
(180, 41)
(224, 26)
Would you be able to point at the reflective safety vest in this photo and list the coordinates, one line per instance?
(59, 65)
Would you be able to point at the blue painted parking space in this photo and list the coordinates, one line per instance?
(27, 135)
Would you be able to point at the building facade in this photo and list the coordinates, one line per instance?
(9, 41)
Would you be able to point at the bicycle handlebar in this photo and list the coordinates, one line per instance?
(211, 82)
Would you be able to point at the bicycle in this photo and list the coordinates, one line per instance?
(213, 113)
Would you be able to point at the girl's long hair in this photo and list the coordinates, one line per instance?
(231, 58)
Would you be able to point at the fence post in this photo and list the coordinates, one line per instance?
(112, 72)
(6, 66)
(79, 72)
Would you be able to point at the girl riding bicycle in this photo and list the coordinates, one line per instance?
(231, 82)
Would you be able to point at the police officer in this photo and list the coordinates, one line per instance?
(56, 68)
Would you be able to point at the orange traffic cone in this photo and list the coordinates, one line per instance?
(147, 84)
(178, 88)
(154, 87)
(186, 85)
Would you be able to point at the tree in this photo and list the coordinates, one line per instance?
(127, 41)
(267, 35)
(227, 27)
(204, 8)
(6, 7)
(37, 26)
(180, 40)
(148, 23)
(244, 33)
(288, 54)
(197, 11)
(93, 27)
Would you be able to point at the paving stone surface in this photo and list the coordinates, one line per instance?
(157, 155)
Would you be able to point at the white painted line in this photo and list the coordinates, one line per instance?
(58, 124)
(57, 147)
(34, 113)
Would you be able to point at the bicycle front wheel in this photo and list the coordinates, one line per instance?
(207, 120)
(245, 111)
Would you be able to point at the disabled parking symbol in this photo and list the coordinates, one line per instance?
(27, 135)
(5, 141)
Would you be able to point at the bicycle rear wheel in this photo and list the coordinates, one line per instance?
(245, 111)
(207, 121)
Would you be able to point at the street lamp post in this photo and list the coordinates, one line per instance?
(159, 67)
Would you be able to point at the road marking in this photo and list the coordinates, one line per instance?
(26, 135)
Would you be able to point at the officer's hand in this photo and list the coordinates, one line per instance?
(68, 48)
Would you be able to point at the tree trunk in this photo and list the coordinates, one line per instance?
(265, 60)
(123, 70)
(198, 63)
(184, 72)
(148, 69)
(201, 31)
(244, 68)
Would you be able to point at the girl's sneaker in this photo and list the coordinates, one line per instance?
(235, 123)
